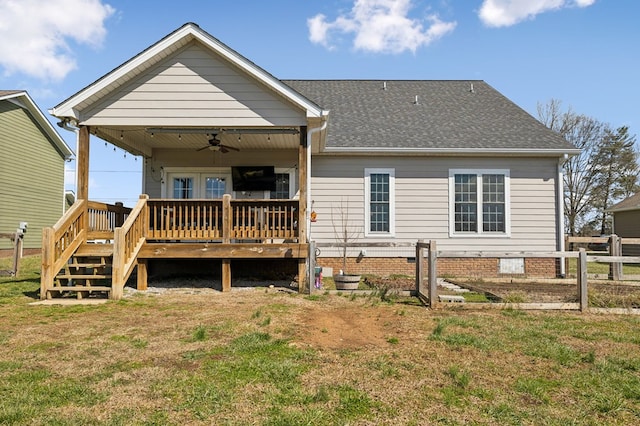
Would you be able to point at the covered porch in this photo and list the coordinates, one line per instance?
(196, 112)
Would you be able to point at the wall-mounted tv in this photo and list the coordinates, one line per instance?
(253, 178)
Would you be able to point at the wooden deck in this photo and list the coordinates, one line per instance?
(183, 229)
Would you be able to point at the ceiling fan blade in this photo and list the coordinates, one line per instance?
(203, 148)
(229, 148)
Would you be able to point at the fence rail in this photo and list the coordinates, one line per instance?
(427, 289)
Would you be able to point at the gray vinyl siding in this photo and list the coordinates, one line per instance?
(627, 224)
(31, 176)
(167, 158)
(194, 88)
(422, 201)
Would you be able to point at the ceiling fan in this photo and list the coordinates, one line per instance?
(215, 144)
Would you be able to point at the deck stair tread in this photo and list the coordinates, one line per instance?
(83, 276)
(94, 250)
(87, 265)
(81, 288)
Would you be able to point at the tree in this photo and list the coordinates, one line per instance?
(615, 172)
(584, 133)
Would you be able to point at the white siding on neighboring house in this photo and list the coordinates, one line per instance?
(193, 88)
(422, 201)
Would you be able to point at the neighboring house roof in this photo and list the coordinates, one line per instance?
(427, 115)
(630, 203)
(22, 99)
(162, 49)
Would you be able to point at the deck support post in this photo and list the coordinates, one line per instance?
(82, 163)
(142, 277)
(226, 275)
(303, 276)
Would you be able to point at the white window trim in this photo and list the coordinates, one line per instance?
(507, 203)
(197, 172)
(392, 202)
(292, 180)
(166, 188)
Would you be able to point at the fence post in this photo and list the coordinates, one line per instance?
(311, 272)
(582, 280)
(433, 274)
(615, 249)
(419, 266)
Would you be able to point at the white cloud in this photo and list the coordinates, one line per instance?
(380, 26)
(35, 34)
(504, 13)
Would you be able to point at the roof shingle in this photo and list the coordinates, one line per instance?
(425, 114)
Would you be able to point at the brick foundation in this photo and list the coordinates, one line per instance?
(453, 267)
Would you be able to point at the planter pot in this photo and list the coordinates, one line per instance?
(347, 281)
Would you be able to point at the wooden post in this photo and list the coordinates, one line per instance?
(119, 213)
(419, 267)
(117, 271)
(17, 252)
(226, 275)
(615, 249)
(82, 163)
(312, 262)
(46, 275)
(142, 274)
(302, 276)
(567, 247)
(226, 239)
(303, 185)
(433, 274)
(582, 280)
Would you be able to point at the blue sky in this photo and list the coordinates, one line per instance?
(585, 53)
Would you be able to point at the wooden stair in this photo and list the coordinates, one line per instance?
(87, 272)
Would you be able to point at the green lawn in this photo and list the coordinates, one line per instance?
(273, 358)
(603, 268)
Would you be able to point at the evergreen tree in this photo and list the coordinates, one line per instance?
(615, 169)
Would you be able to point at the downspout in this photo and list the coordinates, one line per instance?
(310, 133)
(560, 209)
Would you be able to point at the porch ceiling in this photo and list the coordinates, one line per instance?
(143, 140)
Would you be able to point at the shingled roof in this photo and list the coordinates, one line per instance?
(630, 203)
(456, 116)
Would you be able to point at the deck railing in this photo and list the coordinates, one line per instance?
(60, 241)
(222, 220)
(103, 219)
(128, 241)
(264, 219)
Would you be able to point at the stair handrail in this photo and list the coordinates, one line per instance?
(60, 241)
(127, 242)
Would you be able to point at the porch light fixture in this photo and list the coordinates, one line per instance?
(204, 131)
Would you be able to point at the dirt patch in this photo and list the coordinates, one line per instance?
(345, 327)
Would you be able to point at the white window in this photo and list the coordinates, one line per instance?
(211, 183)
(285, 180)
(479, 202)
(379, 194)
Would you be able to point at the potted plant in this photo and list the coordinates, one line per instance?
(345, 233)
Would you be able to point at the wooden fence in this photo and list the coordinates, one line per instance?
(426, 284)
(16, 239)
(614, 246)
